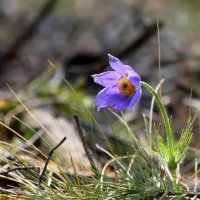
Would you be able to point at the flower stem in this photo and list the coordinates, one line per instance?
(170, 136)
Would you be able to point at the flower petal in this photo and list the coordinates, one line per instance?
(135, 80)
(136, 97)
(100, 99)
(111, 97)
(116, 64)
(111, 94)
(123, 103)
(107, 97)
(107, 79)
(129, 68)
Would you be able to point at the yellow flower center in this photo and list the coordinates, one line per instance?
(126, 88)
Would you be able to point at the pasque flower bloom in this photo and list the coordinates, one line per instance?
(122, 86)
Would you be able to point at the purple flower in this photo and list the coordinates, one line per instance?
(122, 86)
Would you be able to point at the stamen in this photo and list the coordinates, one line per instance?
(126, 88)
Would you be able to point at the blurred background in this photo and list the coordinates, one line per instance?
(33, 32)
(76, 36)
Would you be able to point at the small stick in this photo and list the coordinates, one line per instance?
(80, 132)
(47, 161)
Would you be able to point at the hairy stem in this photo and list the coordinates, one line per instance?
(170, 136)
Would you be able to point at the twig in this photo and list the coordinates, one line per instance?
(80, 132)
(11, 52)
(47, 161)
